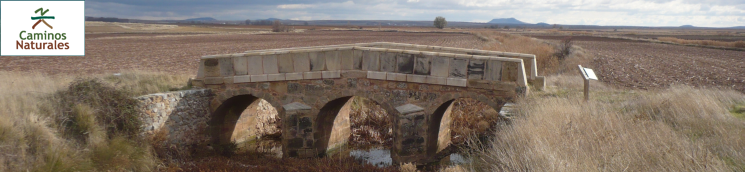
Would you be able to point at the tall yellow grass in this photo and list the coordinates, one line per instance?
(546, 59)
(30, 135)
(678, 129)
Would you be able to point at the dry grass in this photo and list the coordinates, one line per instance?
(678, 129)
(738, 44)
(547, 61)
(37, 135)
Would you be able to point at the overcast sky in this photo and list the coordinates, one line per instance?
(710, 13)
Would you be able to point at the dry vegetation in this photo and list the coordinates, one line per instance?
(677, 129)
(737, 44)
(48, 123)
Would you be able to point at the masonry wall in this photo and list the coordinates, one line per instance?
(180, 117)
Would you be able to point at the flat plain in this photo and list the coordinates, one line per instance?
(179, 52)
(645, 65)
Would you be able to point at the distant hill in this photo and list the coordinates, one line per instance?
(270, 19)
(202, 19)
(687, 26)
(506, 21)
(738, 27)
(543, 24)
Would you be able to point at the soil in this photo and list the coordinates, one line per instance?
(651, 65)
(179, 54)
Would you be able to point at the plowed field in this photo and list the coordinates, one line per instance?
(180, 54)
(650, 65)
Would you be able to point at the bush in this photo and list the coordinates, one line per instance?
(440, 22)
(89, 100)
(565, 48)
(277, 26)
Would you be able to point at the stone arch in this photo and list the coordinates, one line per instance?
(333, 126)
(226, 114)
(440, 121)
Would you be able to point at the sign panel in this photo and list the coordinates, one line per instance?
(42, 28)
(590, 74)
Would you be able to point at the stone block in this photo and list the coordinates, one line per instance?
(422, 65)
(213, 80)
(331, 74)
(242, 79)
(440, 66)
(211, 67)
(275, 77)
(347, 60)
(387, 62)
(416, 78)
(259, 78)
(396, 77)
(457, 82)
(226, 67)
(376, 75)
(539, 82)
(317, 61)
(255, 65)
(301, 62)
(295, 106)
(353, 74)
(475, 69)
(240, 65)
(509, 71)
(200, 70)
(227, 80)
(293, 76)
(493, 70)
(270, 64)
(312, 75)
(408, 108)
(332, 60)
(371, 61)
(458, 68)
(285, 63)
(405, 63)
(357, 60)
(436, 80)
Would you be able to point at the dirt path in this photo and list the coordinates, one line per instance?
(180, 53)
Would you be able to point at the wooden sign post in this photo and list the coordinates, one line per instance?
(587, 75)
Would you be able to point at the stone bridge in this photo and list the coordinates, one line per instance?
(310, 88)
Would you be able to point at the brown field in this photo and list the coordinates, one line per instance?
(179, 53)
(644, 65)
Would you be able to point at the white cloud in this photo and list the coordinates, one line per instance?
(715, 13)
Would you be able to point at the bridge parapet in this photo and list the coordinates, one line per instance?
(438, 68)
(529, 59)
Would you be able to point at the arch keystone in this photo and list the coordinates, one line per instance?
(295, 106)
(409, 108)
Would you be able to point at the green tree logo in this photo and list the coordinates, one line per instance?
(41, 18)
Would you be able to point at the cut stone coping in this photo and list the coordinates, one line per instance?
(452, 55)
(296, 106)
(409, 108)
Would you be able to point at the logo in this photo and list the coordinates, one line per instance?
(41, 18)
(55, 31)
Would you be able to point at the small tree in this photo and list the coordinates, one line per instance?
(564, 48)
(278, 27)
(248, 22)
(440, 22)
